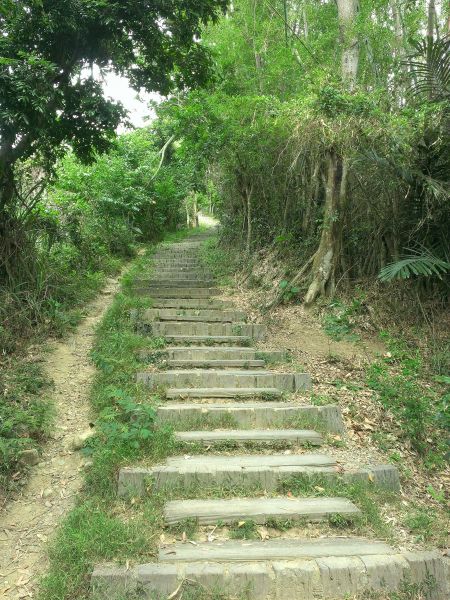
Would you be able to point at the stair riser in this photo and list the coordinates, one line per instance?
(176, 292)
(180, 283)
(155, 314)
(134, 481)
(253, 330)
(285, 437)
(329, 417)
(288, 382)
(177, 266)
(182, 261)
(238, 341)
(326, 577)
(186, 303)
(218, 353)
(178, 273)
(215, 364)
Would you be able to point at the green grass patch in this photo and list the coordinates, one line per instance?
(399, 380)
(338, 322)
(26, 417)
(221, 261)
(366, 497)
(244, 530)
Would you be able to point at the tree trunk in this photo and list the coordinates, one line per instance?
(347, 11)
(430, 39)
(325, 257)
(248, 198)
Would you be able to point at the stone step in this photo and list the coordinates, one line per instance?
(177, 273)
(273, 549)
(305, 569)
(247, 472)
(258, 510)
(196, 303)
(176, 292)
(235, 393)
(287, 436)
(166, 328)
(218, 378)
(209, 340)
(191, 314)
(252, 415)
(170, 282)
(216, 364)
(181, 252)
(193, 266)
(223, 353)
(177, 262)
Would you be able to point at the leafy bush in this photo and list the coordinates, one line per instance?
(90, 219)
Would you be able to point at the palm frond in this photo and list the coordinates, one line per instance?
(430, 64)
(420, 264)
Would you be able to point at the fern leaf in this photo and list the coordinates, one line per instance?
(420, 265)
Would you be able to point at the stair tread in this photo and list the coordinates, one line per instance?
(221, 392)
(206, 463)
(199, 372)
(238, 406)
(250, 435)
(258, 510)
(276, 549)
(238, 362)
(211, 338)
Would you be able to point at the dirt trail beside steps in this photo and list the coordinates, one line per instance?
(28, 522)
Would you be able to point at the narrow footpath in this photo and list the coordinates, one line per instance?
(251, 430)
(28, 522)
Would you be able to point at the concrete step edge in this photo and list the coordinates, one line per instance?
(329, 576)
(299, 436)
(258, 510)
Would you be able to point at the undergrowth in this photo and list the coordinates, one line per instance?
(422, 411)
(26, 416)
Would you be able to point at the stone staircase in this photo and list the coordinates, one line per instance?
(212, 375)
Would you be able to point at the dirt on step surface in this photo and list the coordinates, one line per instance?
(30, 520)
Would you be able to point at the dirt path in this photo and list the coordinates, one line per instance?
(28, 522)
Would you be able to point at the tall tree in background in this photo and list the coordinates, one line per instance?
(335, 181)
(347, 12)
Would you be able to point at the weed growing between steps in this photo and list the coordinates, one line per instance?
(366, 497)
(407, 591)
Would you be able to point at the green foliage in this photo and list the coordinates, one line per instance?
(85, 533)
(421, 414)
(290, 292)
(431, 65)
(25, 417)
(364, 494)
(47, 98)
(244, 530)
(418, 264)
(420, 522)
(339, 322)
(91, 218)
